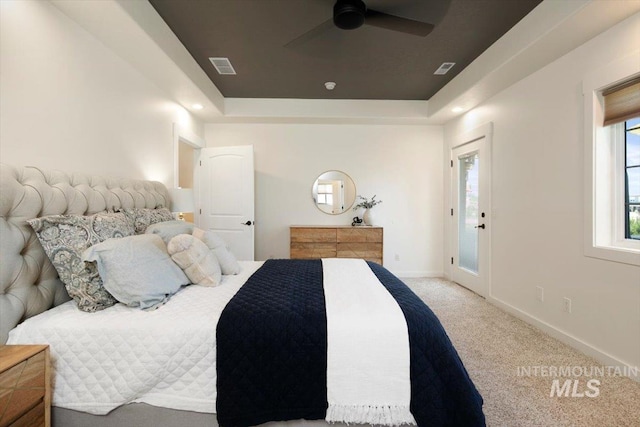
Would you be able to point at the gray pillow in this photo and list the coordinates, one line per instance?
(170, 229)
(137, 270)
(65, 237)
(196, 260)
(228, 262)
(144, 217)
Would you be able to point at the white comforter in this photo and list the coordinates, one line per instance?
(164, 357)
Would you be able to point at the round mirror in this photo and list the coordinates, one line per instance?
(334, 192)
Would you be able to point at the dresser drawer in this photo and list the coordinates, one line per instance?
(24, 386)
(313, 250)
(359, 234)
(359, 250)
(313, 234)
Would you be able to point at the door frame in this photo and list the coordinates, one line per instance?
(484, 131)
(182, 135)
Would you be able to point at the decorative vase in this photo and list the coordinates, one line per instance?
(368, 217)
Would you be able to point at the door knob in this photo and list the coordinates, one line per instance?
(246, 223)
(479, 226)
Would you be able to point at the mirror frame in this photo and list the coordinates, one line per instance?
(349, 196)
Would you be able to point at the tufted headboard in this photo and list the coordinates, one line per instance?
(29, 283)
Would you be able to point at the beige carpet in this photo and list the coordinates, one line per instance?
(494, 344)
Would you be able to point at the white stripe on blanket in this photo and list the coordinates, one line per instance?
(368, 348)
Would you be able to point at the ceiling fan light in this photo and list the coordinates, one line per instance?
(349, 14)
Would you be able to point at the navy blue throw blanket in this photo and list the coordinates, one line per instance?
(272, 352)
(272, 347)
(442, 394)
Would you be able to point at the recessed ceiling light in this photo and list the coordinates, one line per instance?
(330, 85)
(457, 109)
(197, 106)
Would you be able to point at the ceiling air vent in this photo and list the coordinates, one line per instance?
(446, 66)
(223, 66)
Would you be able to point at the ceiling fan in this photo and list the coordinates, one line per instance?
(352, 14)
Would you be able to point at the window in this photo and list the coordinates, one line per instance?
(632, 178)
(325, 194)
(612, 162)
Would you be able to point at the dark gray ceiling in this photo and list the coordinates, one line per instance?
(366, 63)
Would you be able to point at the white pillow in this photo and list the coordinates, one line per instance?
(195, 259)
(228, 262)
(137, 270)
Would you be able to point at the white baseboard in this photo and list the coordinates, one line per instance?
(414, 274)
(601, 356)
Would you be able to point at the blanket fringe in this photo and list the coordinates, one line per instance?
(386, 415)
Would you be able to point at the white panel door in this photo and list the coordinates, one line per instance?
(471, 187)
(226, 195)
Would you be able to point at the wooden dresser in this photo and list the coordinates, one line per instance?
(308, 242)
(25, 391)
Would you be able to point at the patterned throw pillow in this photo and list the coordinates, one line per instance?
(65, 237)
(144, 217)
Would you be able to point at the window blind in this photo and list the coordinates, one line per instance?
(622, 102)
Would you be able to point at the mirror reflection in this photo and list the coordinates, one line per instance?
(334, 192)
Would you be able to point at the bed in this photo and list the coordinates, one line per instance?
(267, 345)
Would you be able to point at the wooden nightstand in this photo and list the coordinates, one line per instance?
(25, 391)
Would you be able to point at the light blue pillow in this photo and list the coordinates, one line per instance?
(137, 270)
(170, 229)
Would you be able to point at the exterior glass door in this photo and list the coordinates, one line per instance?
(470, 208)
(469, 217)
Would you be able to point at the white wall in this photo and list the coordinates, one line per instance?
(401, 164)
(538, 181)
(69, 103)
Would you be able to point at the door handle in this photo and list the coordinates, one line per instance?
(480, 226)
(246, 223)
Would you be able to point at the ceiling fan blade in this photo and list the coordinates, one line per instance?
(396, 23)
(311, 34)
